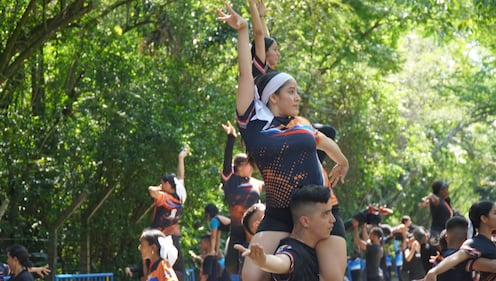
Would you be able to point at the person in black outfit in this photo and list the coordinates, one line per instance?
(19, 263)
(440, 207)
(413, 256)
(295, 259)
(371, 244)
(456, 234)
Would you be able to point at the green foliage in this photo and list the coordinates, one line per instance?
(104, 99)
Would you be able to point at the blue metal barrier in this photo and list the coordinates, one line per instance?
(107, 276)
(190, 274)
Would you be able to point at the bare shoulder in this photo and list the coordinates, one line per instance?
(302, 120)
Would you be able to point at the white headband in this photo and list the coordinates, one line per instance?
(274, 84)
(167, 249)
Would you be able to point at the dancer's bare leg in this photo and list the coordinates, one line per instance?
(269, 241)
(331, 254)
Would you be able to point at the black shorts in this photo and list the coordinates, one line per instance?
(338, 229)
(276, 219)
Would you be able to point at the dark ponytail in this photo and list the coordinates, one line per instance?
(478, 209)
(22, 255)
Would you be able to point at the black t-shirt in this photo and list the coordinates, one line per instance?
(426, 251)
(23, 276)
(440, 214)
(481, 247)
(304, 264)
(373, 257)
(414, 267)
(457, 273)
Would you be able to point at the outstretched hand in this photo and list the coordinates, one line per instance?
(261, 8)
(433, 259)
(184, 153)
(229, 129)
(255, 252)
(337, 174)
(42, 270)
(232, 18)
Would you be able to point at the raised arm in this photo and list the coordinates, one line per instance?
(228, 150)
(259, 33)
(411, 250)
(362, 244)
(262, 12)
(245, 80)
(155, 191)
(446, 264)
(40, 270)
(180, 163)
(331, 148)
(278, 264)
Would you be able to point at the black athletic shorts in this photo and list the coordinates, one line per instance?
(338, 229)
(276, 219)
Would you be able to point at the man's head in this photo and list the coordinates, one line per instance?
(311, 209)
(456, 231)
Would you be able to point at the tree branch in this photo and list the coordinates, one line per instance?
(40, 34)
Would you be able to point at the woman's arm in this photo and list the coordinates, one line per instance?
(258, 32)
(262, 11)
(155, 191)
(359, 242)
(245, 80)
(411, 250)
(180, 163)
(228, 150)
(331, 148)
(40, 270)
(446, 264)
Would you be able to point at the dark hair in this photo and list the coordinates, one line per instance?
(245, 221)
(329, 132)
(305, 195)
(151, 235)
(404, 219)
(457, 227)
(456, 222)
(438, 185)
(419, 235)
(239, 159)
(478, 209)
(21, 253)
(211, 210)
(170, 179)
(377, 231)
(268, 42)
(262, 80)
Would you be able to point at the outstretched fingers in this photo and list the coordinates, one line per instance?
(232, 18)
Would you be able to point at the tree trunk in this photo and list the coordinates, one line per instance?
(53, 231)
